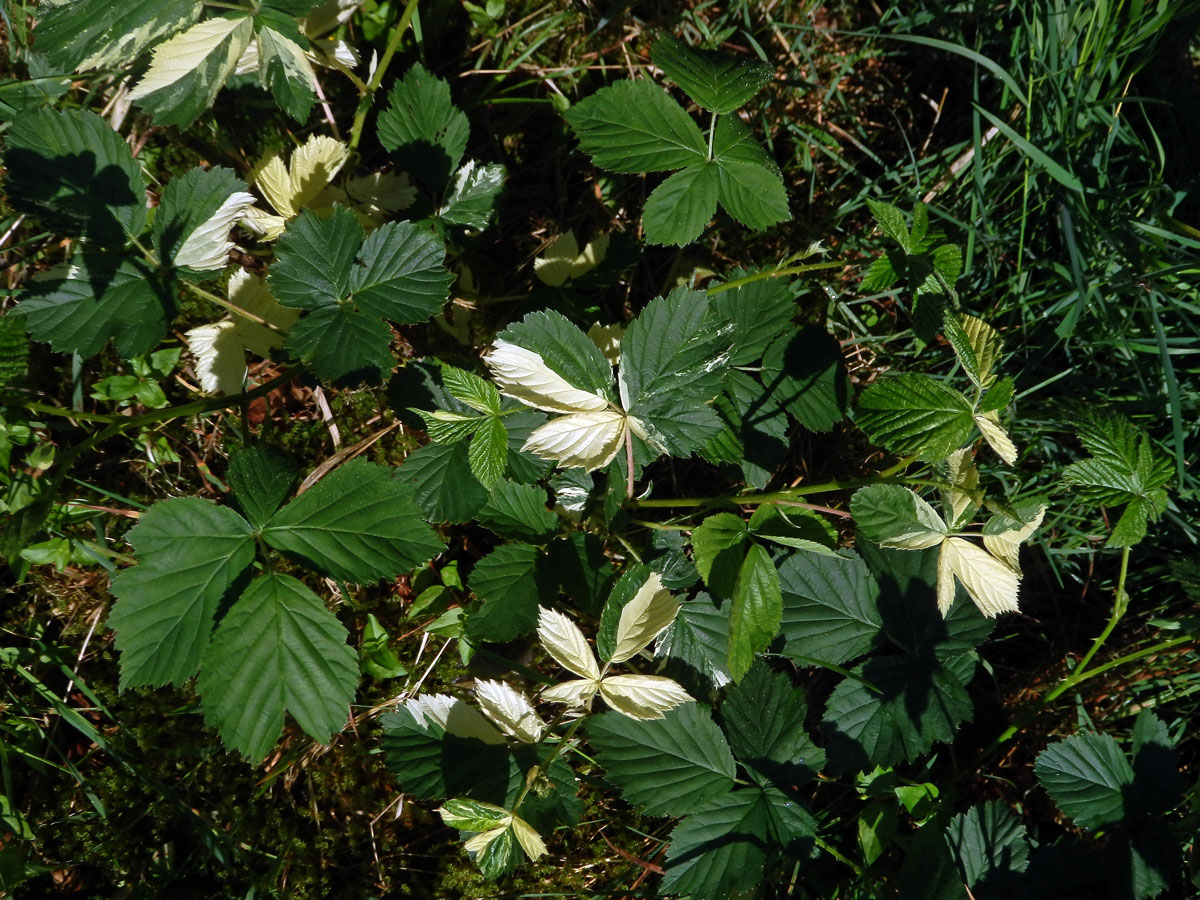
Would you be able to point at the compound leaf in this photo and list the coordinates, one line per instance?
(357, 523)
(669, 766)
(717, 82)
(189, 553)
(278, 649)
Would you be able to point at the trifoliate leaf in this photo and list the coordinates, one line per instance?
(76, 175)
(524, 375)
(195, 216)
(670, 766)
(455, 717)
(357, 523)
(77, 309)
(1088, 777)
(1003, 536)
(562, 262)
(992, 584)
(756, 611)
(509, 709)
(473, 194)
(189, 552)
(422, 127)
(895, 516)
(717, 82)
(915, 414)
(284, 69)
(312, 166)
(76, 35)
(679, 208)
(642, 696)
(566, 644)
(278, 649)
(188, 71)
(993, 432)
(976, 344)
(635, 126)
(651, 610)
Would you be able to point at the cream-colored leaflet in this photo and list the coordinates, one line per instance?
(531, 842)
(566, 644)
(991, 584)
(562, 260)
(208, 246)
(220, 360)
(313, 165)
(524, 375)
(1006, 546)
(928, 531)
(455, 717)
(184, 54)
(584, 440)
(267, 226)
(250, 292)
(477, 843)
(963, 478)
(993, 432)
(985, 344)
(274, 46)
(651, 610)
(608, 339)
(574, 694)
(642, 696)
(509, 709)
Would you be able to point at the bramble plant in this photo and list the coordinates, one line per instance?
(775, 666)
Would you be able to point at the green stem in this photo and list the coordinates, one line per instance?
(232, 308)
(364, 102)
(1120, 604)
(839, 856)
(545, 766)
(775, 273)
(50, 410)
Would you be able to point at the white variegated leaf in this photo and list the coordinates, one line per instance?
(1006, 545)
(455, 717)
(220, 359)
(575, 694)
(477, 843)
(992, 584)
(509, 709)
(524, 375)
(993, 432)
(963, 485)
(642, 696)
(608, 339)
(531, 842)
(208, 247)
(651, 610)
(563, 261)
(474, 815)
(927, 531)
(566, 644)
(247, 63)
(184, 54)
(583, 440)
(265, 225)
(945, 581)
(338, 51)
(250, 292)
(271, 176)
(313, 165)
(328, 16)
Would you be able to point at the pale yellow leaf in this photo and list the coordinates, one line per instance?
(945, 581)
(608, 339)
(220, 359)
(313, 165)
(531, 842)
(208, 247)
(651, 610)
(271, 176)
(992, 584)
(509, 709)
(563, 261)
(1006, 545)
(477, 843)
(524, 375)
(985, 344)
(455, 717)
(574, 694)
(642, 696)
(582, 440)
(328, 16)
(382, 192)
(962, 485)
(186, 52)
(262, 223)
(566, 644)
(250, 292)
(993, 432)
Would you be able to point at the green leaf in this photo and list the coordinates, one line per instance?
(278, 649)
(756, 311)
(919, 702)
(376, 657)
(76, 175)
(286, 72)
(101, 297)
(75, 35)
(315, 259)
(717, 548)
(475, 392)
(488, 453)
(891, 222)
(422, 128)
(804, 372)
(582, 570)
(635, 126)
(679, 208)
(400, 276)
(894, 516)
(915, 414)
(669, 766)
(473, 195)
(751, 186)
(357, 524)
(756, 611)
(194, 218)
(511, 585)
(1087, 776)
(564, 348)
(188, 70)
(989, 843)
(797, 528)
(998, 396)
(432, 765)
(443, 483)
(830, 607)
(14, 353)
(764, 427)
(716, 82)
(518, 511)
(342, 344)
(261, 478)
(189, 553)
(763, 717)
(696, 646)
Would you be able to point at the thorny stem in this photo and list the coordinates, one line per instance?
(364, 102)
